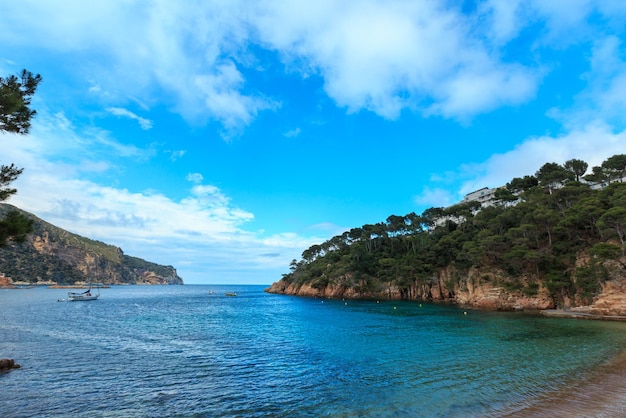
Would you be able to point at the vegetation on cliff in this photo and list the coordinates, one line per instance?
(548, 232)
(52, 254)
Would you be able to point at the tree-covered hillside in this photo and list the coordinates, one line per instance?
(557, 230)
(52, 254)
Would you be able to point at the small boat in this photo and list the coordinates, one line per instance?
(82, 296)
(230, 294)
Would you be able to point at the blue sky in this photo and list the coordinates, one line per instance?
(226, 137)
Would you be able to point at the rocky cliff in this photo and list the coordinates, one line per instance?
(478, 290)
(51, 254)
(537, 246)
(481, 289)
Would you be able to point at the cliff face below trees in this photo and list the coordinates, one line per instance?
(51, 254)
(479, 289)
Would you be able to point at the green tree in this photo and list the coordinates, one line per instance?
(598, 175)
(614, 220)
(431, 218)
(604, 251)
(15, 97)
(15, 116)
(587, 282)
(544, 219)
(7, 175)
(504, 196)
(521, 184)
(616, 166)
(550, 175)
(577, 167)
(15, 227)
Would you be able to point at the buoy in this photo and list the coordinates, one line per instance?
(420, 305)
(464, 313)
(394, 307)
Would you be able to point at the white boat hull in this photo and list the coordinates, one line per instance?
(73, 297)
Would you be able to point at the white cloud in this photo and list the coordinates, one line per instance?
(503, 18)
(372, 54)
(223, 99)
(604, 96)
(386, 57)
(593, 144)
(435, 197)
(175, 155)
(202, 231)
(375, 55)
(195, 178)
(144, 123)
(181, 48)
(292, 133)
(61, 145)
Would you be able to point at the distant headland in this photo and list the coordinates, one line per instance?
(53, 256)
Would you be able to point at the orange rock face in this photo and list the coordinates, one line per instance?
(6, 281)
(612, 300)
(481, 289)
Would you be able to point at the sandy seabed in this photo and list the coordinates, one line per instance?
(600, 393)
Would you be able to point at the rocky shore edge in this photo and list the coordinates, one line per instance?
(562, 313)
(7, 364)
(473, 293)
(600, 392)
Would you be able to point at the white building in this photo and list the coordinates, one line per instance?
(485, 196)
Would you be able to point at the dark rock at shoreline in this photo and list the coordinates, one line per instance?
(8, 364)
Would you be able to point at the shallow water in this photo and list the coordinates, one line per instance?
(183, 351)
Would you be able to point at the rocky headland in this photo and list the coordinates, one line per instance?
(51, 255)
(479, 289)
(538, 244)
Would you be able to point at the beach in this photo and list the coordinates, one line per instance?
(600, 393)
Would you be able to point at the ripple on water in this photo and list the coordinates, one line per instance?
(179, 350)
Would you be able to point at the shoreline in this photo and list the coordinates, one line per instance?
(600, 392)
(54, 286)
(560, 313)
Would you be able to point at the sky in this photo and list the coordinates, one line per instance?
(225, 137)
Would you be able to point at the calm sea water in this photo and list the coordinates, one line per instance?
(159, 351)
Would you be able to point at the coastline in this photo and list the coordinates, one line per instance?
(560, 313)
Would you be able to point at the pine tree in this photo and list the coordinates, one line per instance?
(15, 116)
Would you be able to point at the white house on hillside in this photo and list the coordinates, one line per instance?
(485, 196)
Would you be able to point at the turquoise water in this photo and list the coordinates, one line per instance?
(161, 351)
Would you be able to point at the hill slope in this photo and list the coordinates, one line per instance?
(542, 248)
(54, 254)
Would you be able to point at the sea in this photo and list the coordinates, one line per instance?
(193, 351)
